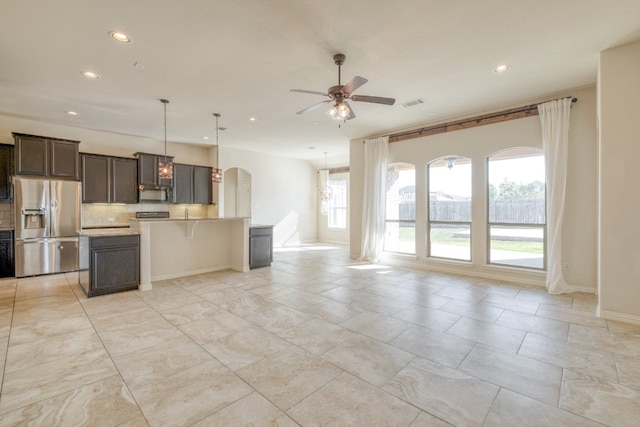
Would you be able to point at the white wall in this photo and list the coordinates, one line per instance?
(579, 231)
(283, 193)
(283, 189)
(619, 245)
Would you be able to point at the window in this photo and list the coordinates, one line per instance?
(450, 208)
(517, 220)
(400, 217)
(337, 205)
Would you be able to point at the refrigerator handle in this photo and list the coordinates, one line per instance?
(53, 207)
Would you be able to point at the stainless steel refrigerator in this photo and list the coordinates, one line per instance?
(47, 220)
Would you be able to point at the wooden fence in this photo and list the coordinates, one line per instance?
(500, 211)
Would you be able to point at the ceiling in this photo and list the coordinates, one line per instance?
(240, 58)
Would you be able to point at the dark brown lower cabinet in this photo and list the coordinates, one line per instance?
(260, 246)
(7, 262)
(109, 264)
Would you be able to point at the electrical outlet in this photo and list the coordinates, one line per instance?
(566, 265)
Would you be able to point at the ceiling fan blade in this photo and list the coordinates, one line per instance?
(352, 115)
(313, 107)
(312, 92)
(372, 99)
(354, 84)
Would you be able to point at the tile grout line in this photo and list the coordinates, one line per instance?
(111, 358)
(6, 353)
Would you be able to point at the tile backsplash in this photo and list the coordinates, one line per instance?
(99, 214)
(6, 216)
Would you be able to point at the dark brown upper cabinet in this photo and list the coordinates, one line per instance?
(6, 170)
(148, 170)
(46, 157)
(124, 175)
(192, 184)
(183, 183)
(202, 185)
(108, 179)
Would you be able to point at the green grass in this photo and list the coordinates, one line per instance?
(528, 247)
(446, 236)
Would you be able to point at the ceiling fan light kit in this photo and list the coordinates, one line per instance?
(339, 94)
(339, 112)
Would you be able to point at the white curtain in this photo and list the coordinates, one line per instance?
(554, 116)
(373, 205)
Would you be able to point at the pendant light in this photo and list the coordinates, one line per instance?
(216, 172)
(165, 168)
(326, 192)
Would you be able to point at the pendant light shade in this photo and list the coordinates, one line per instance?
(216, 172)
(165, 167)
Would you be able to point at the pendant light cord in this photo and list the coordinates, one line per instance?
(165, 102)
(217, 116)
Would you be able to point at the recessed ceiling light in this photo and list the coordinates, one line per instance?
(120, 37)
(502, 68)
(206, 138)
(72, 113)
(90, 75)
(252, 119)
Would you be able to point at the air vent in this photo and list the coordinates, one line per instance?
(413, 102)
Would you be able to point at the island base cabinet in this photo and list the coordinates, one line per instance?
(260, 246)
(109, 264)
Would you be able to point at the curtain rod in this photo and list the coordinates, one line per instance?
(485, 119)
(335, 170)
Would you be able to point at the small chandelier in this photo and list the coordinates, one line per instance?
(339, 112)
(165, 168)
(450, 161)
(326, 192)
(216, 172)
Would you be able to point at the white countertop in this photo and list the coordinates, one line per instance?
(187, 219)
(93, 232)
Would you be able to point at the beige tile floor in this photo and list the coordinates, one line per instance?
(313, 340)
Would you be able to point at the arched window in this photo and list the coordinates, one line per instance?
(400, 216)
(517, 220)
(450, 208)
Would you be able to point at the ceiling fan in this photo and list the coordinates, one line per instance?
(341, 110)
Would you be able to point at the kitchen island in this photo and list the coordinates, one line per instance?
(175, 247)
(108, 260)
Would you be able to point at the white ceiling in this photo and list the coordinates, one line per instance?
(240, 58)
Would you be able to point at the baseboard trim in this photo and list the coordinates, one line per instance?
(467, 269)
(584, 289)
(618, 317)
(194, 272)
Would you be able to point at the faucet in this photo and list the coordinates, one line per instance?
(186, 213)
